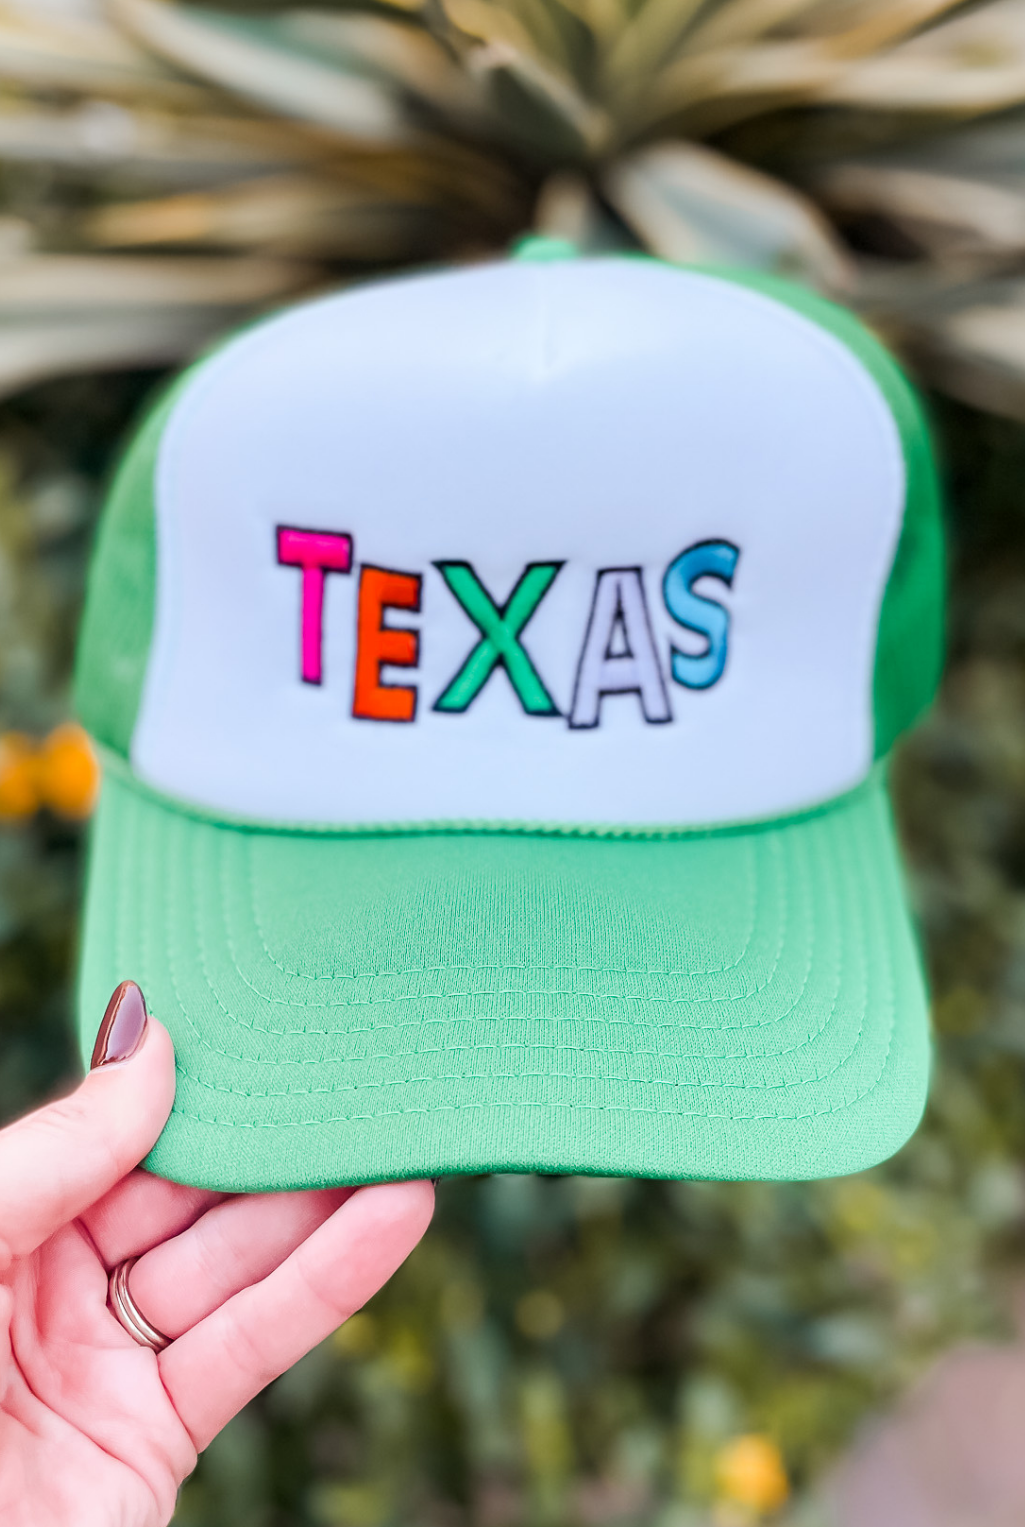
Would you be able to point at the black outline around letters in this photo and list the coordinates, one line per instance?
(590, 726)
(700, 689)
(451, 710)
(411, 609)
(310, 530)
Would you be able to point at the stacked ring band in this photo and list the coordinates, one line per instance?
(127, 1312)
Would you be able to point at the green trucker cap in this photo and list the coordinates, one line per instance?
(494, 672)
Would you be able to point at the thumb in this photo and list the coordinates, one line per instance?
(57, 1161)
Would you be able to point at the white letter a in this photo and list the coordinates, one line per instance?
(618, 655)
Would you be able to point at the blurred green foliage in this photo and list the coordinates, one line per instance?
(566, 1350)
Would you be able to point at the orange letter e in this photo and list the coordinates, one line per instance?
(381, 589)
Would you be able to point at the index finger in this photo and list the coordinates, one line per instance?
(221, 1363)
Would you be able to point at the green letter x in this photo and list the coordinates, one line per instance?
(499, 644)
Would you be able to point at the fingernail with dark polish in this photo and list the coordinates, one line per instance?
(124, 1023)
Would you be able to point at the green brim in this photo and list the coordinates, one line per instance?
(739, 1004)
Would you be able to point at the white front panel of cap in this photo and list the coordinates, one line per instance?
(639, 520)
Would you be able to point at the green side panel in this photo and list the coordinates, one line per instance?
(910, 650)
(117, 624)
(909, 658)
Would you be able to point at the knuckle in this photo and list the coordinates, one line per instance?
(72, 1122)
(329, 1289)
(65, 1116)
(213, 1253)
(248, 1351)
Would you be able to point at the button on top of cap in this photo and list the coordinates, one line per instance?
(540, 247)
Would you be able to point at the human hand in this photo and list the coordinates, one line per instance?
(95, 1429)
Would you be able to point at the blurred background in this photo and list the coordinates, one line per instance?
(559, 1350)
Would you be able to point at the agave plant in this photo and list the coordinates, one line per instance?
(168, 167)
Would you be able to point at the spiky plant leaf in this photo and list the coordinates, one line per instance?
(843, 142)
(264, 62)
(687, 203)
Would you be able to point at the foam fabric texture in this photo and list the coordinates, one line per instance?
(745, 1003)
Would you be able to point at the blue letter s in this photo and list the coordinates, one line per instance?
(707, 559)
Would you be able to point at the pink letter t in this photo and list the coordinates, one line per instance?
(317, 552)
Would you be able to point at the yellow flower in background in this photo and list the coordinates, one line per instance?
(19, 793)
(749, 1472)
(69, 774)
(61, 773)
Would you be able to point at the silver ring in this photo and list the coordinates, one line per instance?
(128, 1313)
